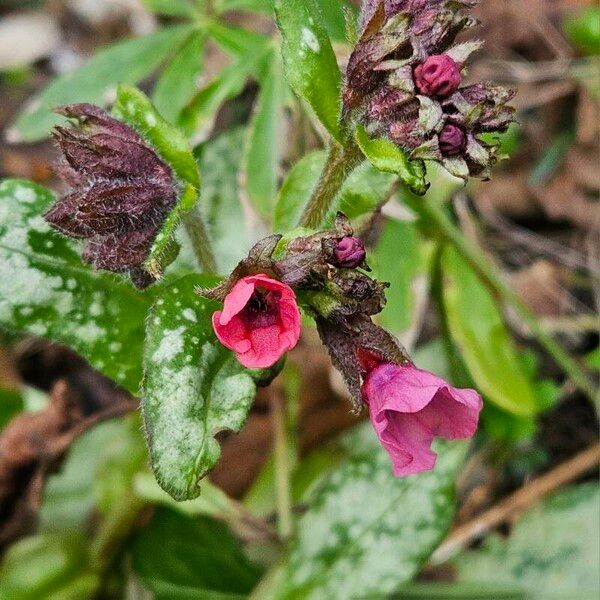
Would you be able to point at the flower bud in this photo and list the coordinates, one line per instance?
(349, 252)
(122, 191)
(260, 321)
(438, 76)
(452, 140)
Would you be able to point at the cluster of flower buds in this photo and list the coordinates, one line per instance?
(327, 275)
(403, 80)
(121, 191)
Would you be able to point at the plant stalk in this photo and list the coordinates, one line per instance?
(430, 209)
(341, 161)
(198, 234)
(282, 467)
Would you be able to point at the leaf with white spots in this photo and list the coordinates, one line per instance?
(193, 388)
(46, 290)
(133, 107)
(310, 64)
(368, 532)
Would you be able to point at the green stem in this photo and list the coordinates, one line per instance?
(282, 468)
(196, 229)
(341, 161)
(433, 211)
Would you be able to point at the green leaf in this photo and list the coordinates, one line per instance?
(310, 64)
(364, 190)
(296, 190)
(177, 83)
(477, 327)
(583, 30)
(133, 107)
(263, 6)
(95, 82)
(399, 257)
(361, 193)
(366, 531)
(386, 156)
(229, 82)
(263, 148)
(334, 18)
(236, 40)
(220, 160)
(48, 292)
(47, 566)
(459, 591)
(191, 559)
(193, 388)
(552, 552)
(11, 404)
(172, 8)
(70, 496)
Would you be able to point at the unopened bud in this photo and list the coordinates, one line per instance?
(349, 252)
(452, 140)
(439, 76)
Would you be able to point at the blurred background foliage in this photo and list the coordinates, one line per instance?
(84, 518)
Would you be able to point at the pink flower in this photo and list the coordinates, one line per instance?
(260, 321)
(408, 407)
(439, 75)
(349, 252)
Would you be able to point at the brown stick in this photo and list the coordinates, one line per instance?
(523, 498)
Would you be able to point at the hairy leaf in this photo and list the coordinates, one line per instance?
(47, 291)
(310, 63)
(347, 547)
(386, 156)
(193, 388)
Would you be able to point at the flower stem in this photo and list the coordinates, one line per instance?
(341, 161)
(282, 467)
(429, 208)
(196, 230)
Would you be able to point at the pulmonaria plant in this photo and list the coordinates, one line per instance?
(403, 81)
(260, 321)
(121, 191)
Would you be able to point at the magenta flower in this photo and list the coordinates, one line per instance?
(438, 76)
(408, 407)
(260, 321)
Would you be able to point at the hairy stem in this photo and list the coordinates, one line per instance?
(196, 230)
(341, 161)
(430, 209)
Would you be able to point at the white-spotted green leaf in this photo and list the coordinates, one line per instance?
(134, 108)
(367, 532)
(263, 148)
(553, 551)
(177, 82)
(477, 327)
(220, 160)
(386, 156)
(96, 81)
(46, 290)
(310, 64)
(193, 388)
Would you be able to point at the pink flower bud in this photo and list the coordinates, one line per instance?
(439, 75)
(452, 140)
(349, 252)
(409, 407)
(260, 321)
